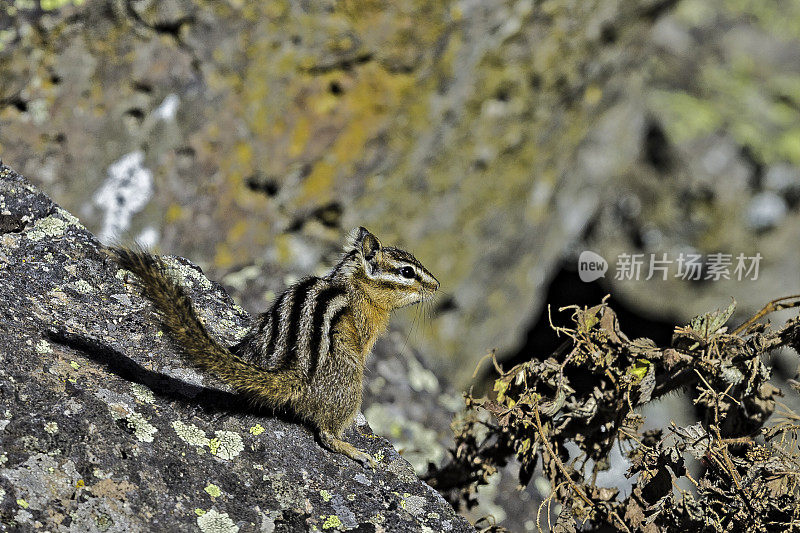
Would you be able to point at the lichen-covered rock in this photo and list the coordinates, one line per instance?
(488, 136)
(478, 134)
(104, 428)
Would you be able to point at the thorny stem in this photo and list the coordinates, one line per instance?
(555, 457)
(563, 470)
(615, 515)
(740, 441)
(690, 478)
(546, 502)
(728, 465)
(493, 355)
(771, 307)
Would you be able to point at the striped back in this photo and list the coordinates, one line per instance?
(296, 330)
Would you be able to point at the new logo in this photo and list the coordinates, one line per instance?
(591, 266)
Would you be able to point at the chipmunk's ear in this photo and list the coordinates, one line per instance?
(362, 240)
(368, 244)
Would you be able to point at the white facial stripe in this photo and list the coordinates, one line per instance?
(395, 278)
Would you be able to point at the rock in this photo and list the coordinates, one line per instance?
(104, 428)
(481, 135)
(486, 136)
(719, 165)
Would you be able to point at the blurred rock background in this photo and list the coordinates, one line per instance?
(496, 139)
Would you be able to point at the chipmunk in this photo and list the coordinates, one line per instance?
(307, 352)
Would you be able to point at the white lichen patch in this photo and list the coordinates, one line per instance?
(9, 241)
(43, 347)
(101, 474)
(187, 273)
(344, 513)
(51, 427)
(126, 190)
(190, 434)
(402, 470)
(143, 430)
(267, 523)
(83, 286)
(415, 504)
(23, 517)
(41, 471)
(142, 393)
(229, 445)
(361, 478)
(47, 227)
(215, 522)
(69, 218)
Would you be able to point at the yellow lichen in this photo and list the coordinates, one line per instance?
(331, 521)
(213, 490)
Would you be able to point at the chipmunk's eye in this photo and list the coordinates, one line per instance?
(407, 272)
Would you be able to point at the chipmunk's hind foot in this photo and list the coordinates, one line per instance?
(330, 441)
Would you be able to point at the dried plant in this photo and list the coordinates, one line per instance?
(589, 393)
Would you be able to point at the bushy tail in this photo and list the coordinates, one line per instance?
(177, 313)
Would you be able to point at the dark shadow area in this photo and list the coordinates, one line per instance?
(213, 401)
(566, 289)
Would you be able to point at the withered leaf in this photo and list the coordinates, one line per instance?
(648, 385)
(565, 522)
(710, 323)
(550, 408)
(672, 357)
(696, 439)
(610, 325)
(731, 374)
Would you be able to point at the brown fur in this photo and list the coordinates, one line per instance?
(328, 395)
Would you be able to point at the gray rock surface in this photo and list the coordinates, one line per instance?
(103, 427)
(483, 135)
